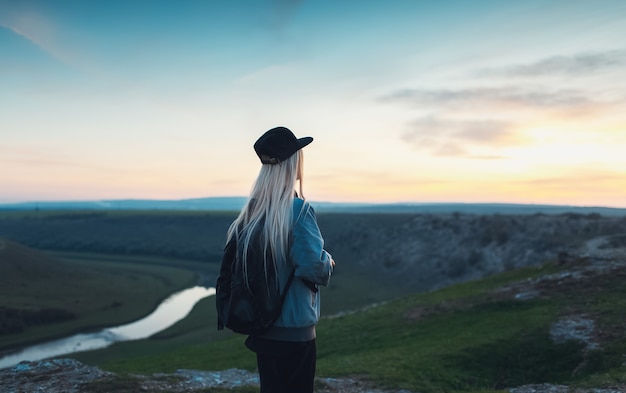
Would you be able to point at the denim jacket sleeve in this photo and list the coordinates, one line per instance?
(311, 261)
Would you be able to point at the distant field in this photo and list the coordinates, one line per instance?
(197, 236)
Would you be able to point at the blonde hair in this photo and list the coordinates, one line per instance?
(268, 213)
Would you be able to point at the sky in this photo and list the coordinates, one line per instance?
(407, 101)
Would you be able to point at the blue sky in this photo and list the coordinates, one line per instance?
(424, 101)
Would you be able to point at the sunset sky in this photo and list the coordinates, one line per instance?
(408, 101)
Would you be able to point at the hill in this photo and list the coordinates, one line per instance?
(23, 270)
(19, 261)
(422, 252)
(43, 297)
(558, 327)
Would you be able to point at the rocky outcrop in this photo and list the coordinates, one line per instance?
(57, 375)
(427, 252)
(71, 376)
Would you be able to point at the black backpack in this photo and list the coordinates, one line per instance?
(247, 309)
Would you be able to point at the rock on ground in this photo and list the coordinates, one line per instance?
(49, 376)
(548, 388)
(70, 376)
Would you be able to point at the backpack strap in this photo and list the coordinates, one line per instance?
(289, 280)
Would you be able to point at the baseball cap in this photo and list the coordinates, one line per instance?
(278, 144)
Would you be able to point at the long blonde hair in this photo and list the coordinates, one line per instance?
(268, 213)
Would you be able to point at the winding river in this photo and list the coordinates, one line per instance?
(170, 311)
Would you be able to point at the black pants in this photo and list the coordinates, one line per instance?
(284, 367)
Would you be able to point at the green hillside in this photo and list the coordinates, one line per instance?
(559, 324)
(43, 297)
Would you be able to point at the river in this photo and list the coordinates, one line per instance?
(170, 311)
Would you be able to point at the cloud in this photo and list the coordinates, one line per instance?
(449, 149)
(493, 117)
(37, 29)
(471, 130)
(40, 30)
(488, 97)
(580, 64)
(512, 104)
(451, 137)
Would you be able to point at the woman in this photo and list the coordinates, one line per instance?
(286, 225)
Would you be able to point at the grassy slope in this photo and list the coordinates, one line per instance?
(462, 338)
(100, 292)
(350, 288)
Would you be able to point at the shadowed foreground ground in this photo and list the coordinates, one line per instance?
(71, 376)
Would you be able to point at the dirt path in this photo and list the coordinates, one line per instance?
(599, 248)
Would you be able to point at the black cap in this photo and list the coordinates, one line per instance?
(278, 144)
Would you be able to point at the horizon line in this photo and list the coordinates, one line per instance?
(360, 203)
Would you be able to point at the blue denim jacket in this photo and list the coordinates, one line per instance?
(301, 309)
